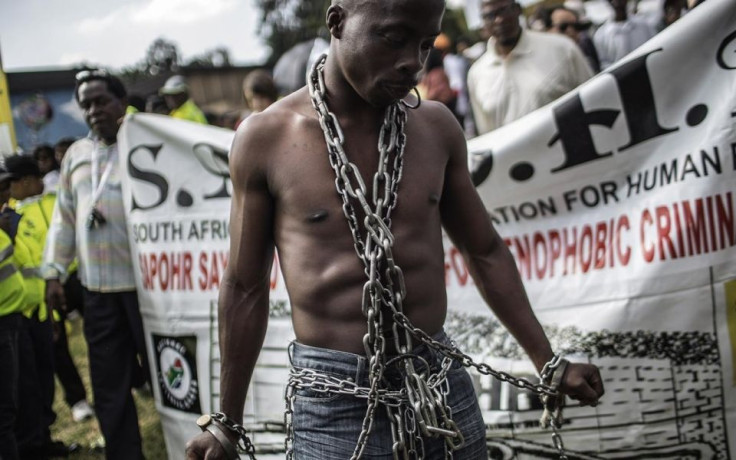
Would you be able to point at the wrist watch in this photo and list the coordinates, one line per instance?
(207, 423)
(51, 273)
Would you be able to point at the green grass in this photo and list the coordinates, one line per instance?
(87, 433)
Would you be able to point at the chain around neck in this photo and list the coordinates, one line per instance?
(427, 414)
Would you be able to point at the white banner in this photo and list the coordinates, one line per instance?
(617, 202)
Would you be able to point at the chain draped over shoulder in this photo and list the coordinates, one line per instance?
(420, 407)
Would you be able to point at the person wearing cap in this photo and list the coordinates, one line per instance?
(521, 70)
(35, 343)
(89, 223)
(176, 93)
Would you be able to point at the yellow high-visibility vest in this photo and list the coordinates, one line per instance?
(189, 111)
(12, 287)
(32, 229)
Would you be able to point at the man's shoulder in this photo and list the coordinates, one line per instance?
(437, 124)
(280, 118)
(432, 112)
(606, 28)
(641, 23)
(80, 148)
(488, 60)
(79, 152)
(546, 42)
(260, 134)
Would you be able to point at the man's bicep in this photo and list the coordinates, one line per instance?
(251, 215)
(464, 216)
(251, 236)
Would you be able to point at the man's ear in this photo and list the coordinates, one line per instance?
(335, 19)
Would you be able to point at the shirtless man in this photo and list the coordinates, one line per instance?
(284, 196)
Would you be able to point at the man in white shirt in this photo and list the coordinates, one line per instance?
(89, 223)
(616, 38)
(522, 70)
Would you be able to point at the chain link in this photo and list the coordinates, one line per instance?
(420, 407)
(244, 442)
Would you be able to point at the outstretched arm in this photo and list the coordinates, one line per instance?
(494, 271)
(243, 300)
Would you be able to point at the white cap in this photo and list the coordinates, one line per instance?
(174, 85)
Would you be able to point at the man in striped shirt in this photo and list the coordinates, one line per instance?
(89, 223)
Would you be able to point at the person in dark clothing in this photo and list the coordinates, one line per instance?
(565, 21)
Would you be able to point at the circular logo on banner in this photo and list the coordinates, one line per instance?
(179, 387)
(35, 111)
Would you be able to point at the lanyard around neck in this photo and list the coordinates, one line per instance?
(98, 183)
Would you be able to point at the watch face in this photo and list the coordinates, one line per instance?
(203, 421)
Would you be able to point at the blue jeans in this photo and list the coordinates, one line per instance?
(327, 426)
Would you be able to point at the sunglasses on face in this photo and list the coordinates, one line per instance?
(563, 26)
(504, 11)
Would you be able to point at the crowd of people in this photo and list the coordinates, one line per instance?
(63, 254)
(521, 64)
(63, 239)
(55, 264)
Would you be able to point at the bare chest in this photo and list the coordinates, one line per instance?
(306, 193)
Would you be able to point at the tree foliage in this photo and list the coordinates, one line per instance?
(162, 56)
(284, 23)
(454, 24)
(216, 57)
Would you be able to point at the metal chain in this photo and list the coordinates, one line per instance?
(244, 442)
(420, 407)
(289, 396)
(378, 238)
(453, 352)
(551, 374)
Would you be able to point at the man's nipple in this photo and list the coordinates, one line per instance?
(318, 216)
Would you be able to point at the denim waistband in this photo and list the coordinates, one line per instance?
(347, 364)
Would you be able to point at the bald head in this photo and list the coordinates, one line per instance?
(340, 9)
(352, 4)
(379, 46)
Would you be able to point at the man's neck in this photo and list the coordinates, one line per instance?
(108, 142)
(621, 15)
(503, 49)
(345, 102)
